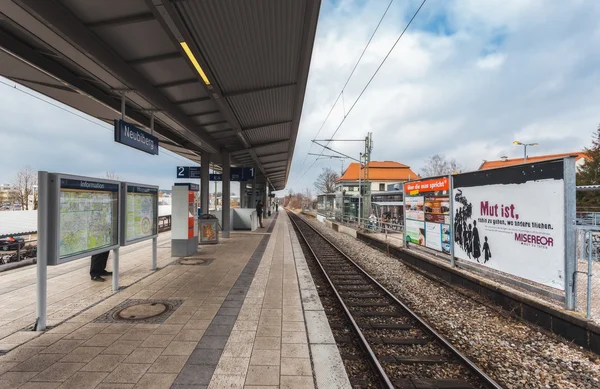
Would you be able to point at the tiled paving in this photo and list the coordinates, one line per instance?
(70, 290)
(241, 324)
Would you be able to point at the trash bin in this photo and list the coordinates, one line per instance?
(208, 229)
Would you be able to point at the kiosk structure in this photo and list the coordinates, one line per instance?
(184, 222)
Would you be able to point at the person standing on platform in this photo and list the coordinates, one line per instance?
(259, 212)
(98, 267)
(276, 207)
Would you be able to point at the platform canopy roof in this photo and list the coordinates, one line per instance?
(216, 74)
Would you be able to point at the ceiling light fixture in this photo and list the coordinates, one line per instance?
(190, 55)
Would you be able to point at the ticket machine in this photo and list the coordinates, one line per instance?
(184, 223)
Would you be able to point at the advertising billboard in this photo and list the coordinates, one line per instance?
(427, 210)
(513, 220)
(85, 217)
(139, 213)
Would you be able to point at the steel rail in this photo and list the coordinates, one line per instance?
(365, 344)
(487, 380)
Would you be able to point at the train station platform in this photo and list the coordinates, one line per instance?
(241, 314)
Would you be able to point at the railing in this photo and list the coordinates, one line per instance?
(587, 218)
(164, 223)
(367, 225)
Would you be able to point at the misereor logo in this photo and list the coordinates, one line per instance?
(539, 240)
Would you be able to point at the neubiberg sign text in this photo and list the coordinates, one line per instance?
(130, 135)
(512, 220)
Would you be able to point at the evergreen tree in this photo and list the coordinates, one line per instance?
(589, 174)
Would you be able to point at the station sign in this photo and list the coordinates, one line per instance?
(130, 135)
(236, 173)
(242, 173)
(188, 172)
(191, 186)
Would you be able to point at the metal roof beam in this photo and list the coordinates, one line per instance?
(267, 125)
(143, 17)
(24, 53)
(67, 25)
(204, 113)
(40, 83)
(154, 58)
(194, 100)
(213, 123)
(177, 83)
(248, 91)
(258, 146)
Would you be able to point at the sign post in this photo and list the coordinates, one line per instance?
(42, 252)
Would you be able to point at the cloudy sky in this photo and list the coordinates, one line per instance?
(467, 79)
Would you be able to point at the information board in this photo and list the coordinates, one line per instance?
(87, 217)
(140, 213)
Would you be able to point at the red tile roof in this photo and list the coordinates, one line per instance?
(380, 171)
(517, 161)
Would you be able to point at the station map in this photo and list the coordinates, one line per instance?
(88, 221)
(140, 216)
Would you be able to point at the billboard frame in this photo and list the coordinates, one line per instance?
(123, 213)
(48, 237)
(54, 215)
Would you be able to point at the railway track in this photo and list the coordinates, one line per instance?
(403, 349)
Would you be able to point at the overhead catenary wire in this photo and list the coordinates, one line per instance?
(101, 125)
(349, 77)
(370, 80)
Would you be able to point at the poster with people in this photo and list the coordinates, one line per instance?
(512, 220)
(427, 209)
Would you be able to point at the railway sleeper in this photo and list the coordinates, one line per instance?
(399, 341)
(356, 304)
(386, 326)
(379, 314)
(414, 359)
(416, 383)
(355, 288)
(362, 296)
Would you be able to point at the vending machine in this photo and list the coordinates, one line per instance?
(184, 223)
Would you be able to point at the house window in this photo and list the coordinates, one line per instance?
(382, 187)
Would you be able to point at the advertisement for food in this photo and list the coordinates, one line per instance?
(427, 204)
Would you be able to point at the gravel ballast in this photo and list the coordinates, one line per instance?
(513, 353)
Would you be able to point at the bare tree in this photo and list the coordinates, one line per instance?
(112, 175)
(326, 181)
(24, 185)
(439, 165)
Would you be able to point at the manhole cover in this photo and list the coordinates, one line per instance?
(192, 261)
(142, 311)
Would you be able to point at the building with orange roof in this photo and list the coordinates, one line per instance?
(580, 159)
(381, 173)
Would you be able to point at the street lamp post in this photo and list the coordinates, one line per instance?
(524, 148)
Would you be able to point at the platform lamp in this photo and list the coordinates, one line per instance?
(524, 148)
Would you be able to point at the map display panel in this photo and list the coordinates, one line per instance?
(140, 216)
(88, 220)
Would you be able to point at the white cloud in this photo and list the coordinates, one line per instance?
(467, 79)
(491, 61)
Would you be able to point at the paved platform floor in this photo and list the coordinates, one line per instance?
(237, 321)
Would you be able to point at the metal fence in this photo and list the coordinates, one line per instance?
(587, 287)
(373, 226)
